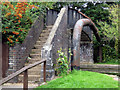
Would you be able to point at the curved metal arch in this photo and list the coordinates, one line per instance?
(77, 37)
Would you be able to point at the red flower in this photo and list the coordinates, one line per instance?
(7, 27)
(8, 14)
(16, 33)
(17, 17)
(20, 15)
(19, 21)
(11, 41)
(10, 36)
(16, 40)
(4, 31)
(8, 39)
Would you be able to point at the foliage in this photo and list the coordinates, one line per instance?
(59, 5)
(109, 33)
(111, 61)
(16, 20)
(82, 79)
(43, 6)
(97, 11)
(75, 5)
(62, 65)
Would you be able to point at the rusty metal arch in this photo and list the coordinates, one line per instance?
(77, 38)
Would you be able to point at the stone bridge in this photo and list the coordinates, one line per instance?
(70, 29)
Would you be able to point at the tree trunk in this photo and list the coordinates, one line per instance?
(100, 53)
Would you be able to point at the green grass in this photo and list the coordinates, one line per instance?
(82, 79)
(111, 61)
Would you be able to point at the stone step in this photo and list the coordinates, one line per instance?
(43, 38)
(35, 72)
(38, 46)
(49, 27)
(30, 59)
(46, 31)
(31, 72)
(35, 55)
(33, 60)
(37, 51)
(44, 34)
(40, 42)
(34, 68)
(33, 78)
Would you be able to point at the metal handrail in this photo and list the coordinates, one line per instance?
(25, 70)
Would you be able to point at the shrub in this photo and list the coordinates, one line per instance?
(16, 21)
(63, 62)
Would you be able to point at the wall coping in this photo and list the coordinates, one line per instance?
(55, 27)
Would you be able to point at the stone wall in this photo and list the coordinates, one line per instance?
(101, 68)
(51, 16)
(86, 52)
(86, 46)
(56, 40)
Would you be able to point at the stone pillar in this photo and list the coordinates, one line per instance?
(46, 53)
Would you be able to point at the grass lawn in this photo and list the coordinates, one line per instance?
(82, 79)
(111, 61)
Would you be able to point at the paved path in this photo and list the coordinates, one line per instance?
(115, 77)
(18, 86)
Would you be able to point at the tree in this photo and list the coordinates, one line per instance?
(110, 31)
(96, 11)
(119, 28)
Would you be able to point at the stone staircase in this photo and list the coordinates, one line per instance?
(34, 73)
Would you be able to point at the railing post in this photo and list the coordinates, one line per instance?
(25, 81)
(44, 71)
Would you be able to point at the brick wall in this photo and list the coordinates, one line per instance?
(19, 53)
